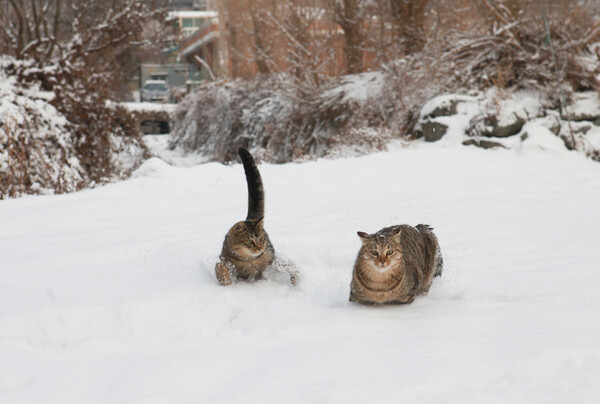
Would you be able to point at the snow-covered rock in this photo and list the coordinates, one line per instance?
(434, 120)
(447, 105)
(505, 119)
(503, 115)
(584, 106)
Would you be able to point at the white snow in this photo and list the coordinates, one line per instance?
(358, 87)
(159, 147)
(467, 107)
(520, 104)
(540, 138)
(585, 105)
(149, 106)
(109, 295)
(593, 136)
(464, 104)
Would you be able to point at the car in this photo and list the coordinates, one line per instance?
(155, 91)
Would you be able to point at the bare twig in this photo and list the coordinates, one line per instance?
(563, 104)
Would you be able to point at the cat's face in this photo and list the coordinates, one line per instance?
(248, 238)
(380, 252)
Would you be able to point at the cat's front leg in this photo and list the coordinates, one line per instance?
(222, 273)
(294, 277)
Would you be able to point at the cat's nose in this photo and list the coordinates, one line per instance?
(382, 260)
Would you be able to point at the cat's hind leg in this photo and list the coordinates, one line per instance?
(280, 269)
(439, 263)
(433, 248)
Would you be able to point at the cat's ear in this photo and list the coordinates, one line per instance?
(363, 236)
(396, 235)
(260, 222)
(240, 228)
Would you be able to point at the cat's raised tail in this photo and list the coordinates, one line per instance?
(256, 195)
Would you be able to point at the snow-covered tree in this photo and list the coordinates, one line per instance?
(74, 52)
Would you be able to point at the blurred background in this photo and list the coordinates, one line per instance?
(289, 79)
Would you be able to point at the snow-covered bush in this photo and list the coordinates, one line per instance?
(61, 63)
(278, 120)
(58, 136)
(515, 52)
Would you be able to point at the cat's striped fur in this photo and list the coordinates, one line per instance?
(247, 250)
(395, 265)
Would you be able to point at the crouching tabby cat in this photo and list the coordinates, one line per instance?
(247, 250)
(395, 265)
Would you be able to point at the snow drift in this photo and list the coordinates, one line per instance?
(109, 294)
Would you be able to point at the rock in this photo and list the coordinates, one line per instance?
(444, 105)
(437, 115)
(445, 109)
(489, 126)
(584, 106)
(578, 128)
(433, 131)
(583, 129)
(505, 129)
(484, 144)
(551, 122)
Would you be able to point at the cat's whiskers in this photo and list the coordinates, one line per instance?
(380, 267)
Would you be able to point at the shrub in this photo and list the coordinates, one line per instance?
(282, 119)
(58, 136)
(514, 51)
(272, 116)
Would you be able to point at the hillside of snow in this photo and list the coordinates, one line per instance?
(109, 295)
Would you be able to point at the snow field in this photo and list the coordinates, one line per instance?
(109, 295)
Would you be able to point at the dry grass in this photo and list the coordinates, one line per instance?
(515, 52)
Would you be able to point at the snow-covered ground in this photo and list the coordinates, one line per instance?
(109, 295)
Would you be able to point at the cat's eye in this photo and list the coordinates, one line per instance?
(375, 253)
(390, 252)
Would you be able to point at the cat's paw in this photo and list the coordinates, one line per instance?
(223, 276)
(289, 268)
(294, 277)
(284, 271)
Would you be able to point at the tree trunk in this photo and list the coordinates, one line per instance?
(408, 20)
(350, 19)
(261, 51)
(223, 63)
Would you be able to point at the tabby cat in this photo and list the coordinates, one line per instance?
(395, 265)
(247, 250)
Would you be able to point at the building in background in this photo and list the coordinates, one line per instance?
(186, 64)
(192, 5)
(189, 21)
(200, 50)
